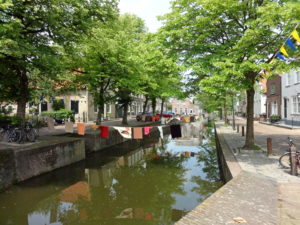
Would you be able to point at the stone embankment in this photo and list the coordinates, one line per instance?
(19, 162)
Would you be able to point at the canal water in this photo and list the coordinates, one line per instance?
(156, 183)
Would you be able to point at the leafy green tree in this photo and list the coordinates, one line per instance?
(238, 38)
(37, 36)
(163, 72)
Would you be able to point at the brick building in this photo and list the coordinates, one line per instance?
(274, 96)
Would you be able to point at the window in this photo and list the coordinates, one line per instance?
(288, 79)
(274, 108)
(180, 110)
(108, 108)
(272, 89)
(296, 104)
(44, 106)
(75, 106)
(191, 111)
(298, 76)
(298, 98)
(175, 110)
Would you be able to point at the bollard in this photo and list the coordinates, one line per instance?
(294, 165)
(269, 146)
(243, 131)
(238, 128)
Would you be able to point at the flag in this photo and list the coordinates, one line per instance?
(290, 43)
(295, 35)
(280, 56)
(283, 51)
(125, 132)
(104, 131)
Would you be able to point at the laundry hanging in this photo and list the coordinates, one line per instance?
(138, 133)
(160, 129)
(125, 132)
(80, 128)
(175, 131)
(147, 130)
(69, 127)
(104, 131)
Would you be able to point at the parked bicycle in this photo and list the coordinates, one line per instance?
(27, 133)
(10, 133)
(285, 159)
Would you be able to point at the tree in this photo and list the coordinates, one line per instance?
(37, 36)
(163, 71)
(215, 37)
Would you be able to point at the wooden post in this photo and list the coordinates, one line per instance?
(238, 128)
(243, 131)
(269, 146)
(294, 170)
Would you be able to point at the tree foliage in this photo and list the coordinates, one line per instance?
(37, 36)
(231, 41)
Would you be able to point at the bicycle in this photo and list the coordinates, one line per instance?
(11, 132)
(285, 159)
(27, 132)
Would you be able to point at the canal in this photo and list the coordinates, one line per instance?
(156, 183)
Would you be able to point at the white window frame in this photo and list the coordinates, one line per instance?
(297, 77)
(294, 104)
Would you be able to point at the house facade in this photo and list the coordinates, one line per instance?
(273, 94)
(291, 98)
(185, 107)
(260, 98)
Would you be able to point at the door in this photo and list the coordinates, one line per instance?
(285, 107)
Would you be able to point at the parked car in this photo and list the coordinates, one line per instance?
(166, 114)
(148, 117)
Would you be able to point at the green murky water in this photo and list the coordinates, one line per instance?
(154, 184)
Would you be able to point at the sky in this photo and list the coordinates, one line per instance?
(148, 10)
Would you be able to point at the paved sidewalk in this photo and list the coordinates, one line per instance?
(256, 162)
(279, 136)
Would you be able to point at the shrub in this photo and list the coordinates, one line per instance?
(275, 118)
(58, 105)
(5, 120)
(60, 114)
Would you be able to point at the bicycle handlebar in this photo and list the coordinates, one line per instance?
(290, 141)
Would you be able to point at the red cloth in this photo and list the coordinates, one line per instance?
(104, 131)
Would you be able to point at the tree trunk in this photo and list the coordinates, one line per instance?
(145, 104)
(221, 113)
(249, 143)
(162, 107)
(100, 104)
(233, 114)
(225, 112)
(23, 94)
(153, 105)
(124, 120)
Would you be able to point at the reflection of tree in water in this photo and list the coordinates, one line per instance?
(208, 158)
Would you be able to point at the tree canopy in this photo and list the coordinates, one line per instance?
(232, 39)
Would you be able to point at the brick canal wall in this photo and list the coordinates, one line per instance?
(21, 162)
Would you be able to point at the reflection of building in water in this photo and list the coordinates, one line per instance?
(189, 141)
(191, 129)
(66, 208)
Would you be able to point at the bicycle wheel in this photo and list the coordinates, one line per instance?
(285, 161)
(30, 136)
(14, 135)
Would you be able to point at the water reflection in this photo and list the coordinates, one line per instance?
(154, 184)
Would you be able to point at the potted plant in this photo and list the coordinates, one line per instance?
(275, 118)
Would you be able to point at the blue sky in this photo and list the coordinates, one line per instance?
(148, 10)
